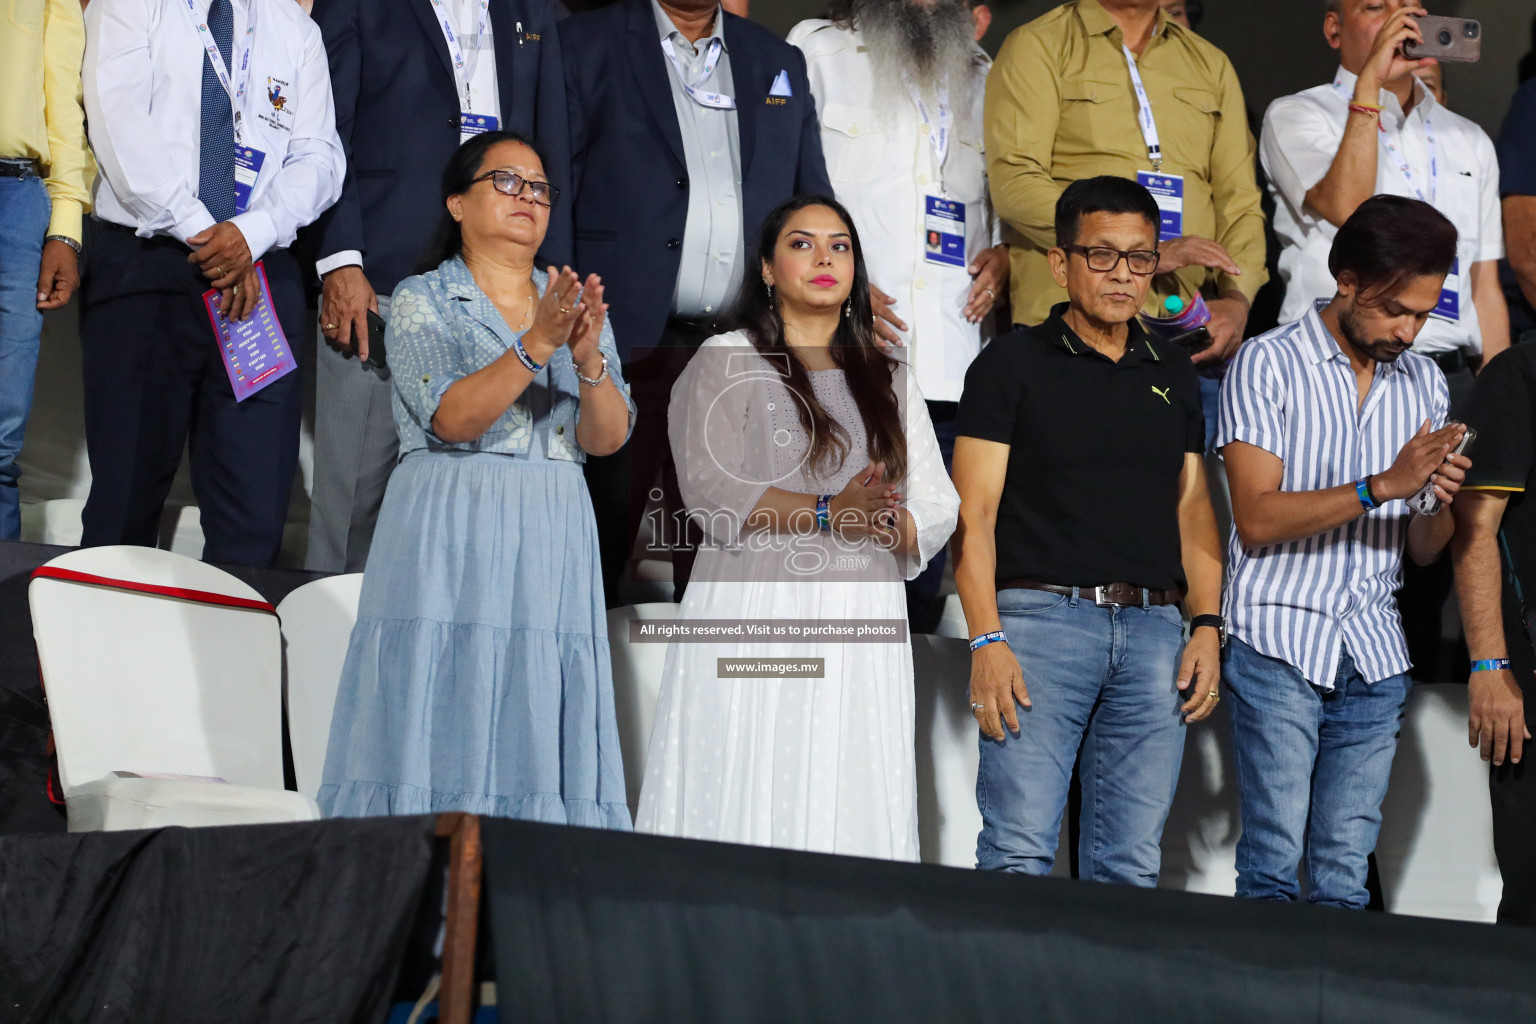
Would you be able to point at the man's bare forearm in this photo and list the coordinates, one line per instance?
(1479, 574)
(975, 547)
(1351, 179)
(1428, 536)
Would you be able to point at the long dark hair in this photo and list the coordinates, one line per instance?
(869, 371)
(459, 174)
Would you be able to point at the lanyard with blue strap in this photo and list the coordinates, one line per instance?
(235, 93)
(713, 100)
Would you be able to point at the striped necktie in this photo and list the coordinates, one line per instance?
(216, 164)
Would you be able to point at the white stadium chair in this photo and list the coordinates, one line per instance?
(317, 621)
(165, 710)
(1436, 849)
(636, 688)
(947, 817)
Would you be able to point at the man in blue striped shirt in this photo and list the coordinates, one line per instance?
(1327, 425)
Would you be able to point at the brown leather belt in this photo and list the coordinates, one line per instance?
(1110, 595)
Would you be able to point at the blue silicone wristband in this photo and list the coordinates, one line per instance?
(523, 356)
(998, 637)
(1490, 664)
(1363, 492)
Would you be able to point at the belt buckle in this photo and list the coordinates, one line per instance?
(1103, 600)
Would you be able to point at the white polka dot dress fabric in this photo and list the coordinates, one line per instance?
(821, 764)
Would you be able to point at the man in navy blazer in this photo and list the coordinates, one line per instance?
(688, 125)
(402, 109)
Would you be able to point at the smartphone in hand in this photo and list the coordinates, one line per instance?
(1447, 39)
(376, 357)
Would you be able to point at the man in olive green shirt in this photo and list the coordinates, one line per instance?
(1062, 105)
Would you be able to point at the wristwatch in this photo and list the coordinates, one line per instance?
(1214, 621)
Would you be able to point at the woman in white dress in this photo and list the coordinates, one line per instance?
(808, 458)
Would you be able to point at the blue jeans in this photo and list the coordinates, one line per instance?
(24, 212)
(1312, 768)
(1210, 400)
(1103, 679)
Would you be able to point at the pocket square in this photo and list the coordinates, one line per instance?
(780, 86)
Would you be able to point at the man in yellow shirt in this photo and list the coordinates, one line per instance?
(1063, 103)
(45, 179)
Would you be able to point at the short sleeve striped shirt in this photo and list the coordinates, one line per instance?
(1292, 392)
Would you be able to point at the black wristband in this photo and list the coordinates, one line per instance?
(1216, 622)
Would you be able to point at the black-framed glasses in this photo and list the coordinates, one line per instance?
(512, 184)
(1102, 259)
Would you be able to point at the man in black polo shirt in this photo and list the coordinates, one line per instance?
(1084, 519)
(1496, 591)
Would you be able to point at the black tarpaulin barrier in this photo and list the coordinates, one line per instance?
(601, 926)
(283, 923)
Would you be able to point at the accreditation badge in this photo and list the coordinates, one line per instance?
(1449, 307)
(1168, 191)
(471, 125)
(248, 163)
(944, 232)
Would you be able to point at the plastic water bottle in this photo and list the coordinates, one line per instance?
(1178, 317)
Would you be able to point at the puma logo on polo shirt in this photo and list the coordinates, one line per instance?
(1163, 393)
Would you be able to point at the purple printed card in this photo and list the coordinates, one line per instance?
(255, 350)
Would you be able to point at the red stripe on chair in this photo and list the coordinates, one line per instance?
(200, 596)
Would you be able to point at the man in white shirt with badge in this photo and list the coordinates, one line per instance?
(214, 128)
(899, 86)
(1377, 129)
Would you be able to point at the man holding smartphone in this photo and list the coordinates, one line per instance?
(1377, 129)
(1327, 426)
(1084, 520)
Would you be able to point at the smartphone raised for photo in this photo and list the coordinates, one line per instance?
(1425, 503)
(1447, 39)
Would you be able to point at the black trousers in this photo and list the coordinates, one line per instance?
(621, 484)
(156, 384)
(1512, 787)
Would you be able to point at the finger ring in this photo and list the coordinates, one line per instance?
(235, 290)
(218, 271)
(564, 310)
(977, 707)
(990, 292)
(330, 327)
(1212, 696)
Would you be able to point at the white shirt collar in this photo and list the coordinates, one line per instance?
(1424, 105)
(667, 30)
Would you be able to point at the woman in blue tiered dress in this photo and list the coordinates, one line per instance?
(478, 675)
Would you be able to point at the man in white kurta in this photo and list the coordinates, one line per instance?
(899, 87)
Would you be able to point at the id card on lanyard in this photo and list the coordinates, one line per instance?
(694, 89)
(1166, 189)
(248, 160)
(470, 122)
(943, 217)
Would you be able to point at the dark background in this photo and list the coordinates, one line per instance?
(1277, 45)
